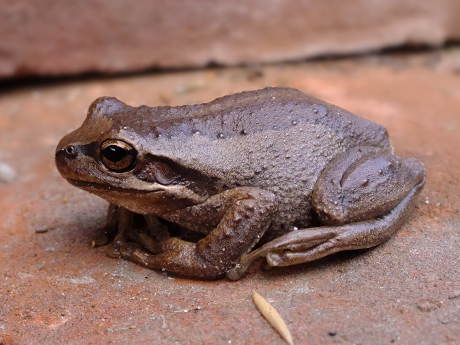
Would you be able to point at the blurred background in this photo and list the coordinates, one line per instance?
(55, 38)
(395, 62)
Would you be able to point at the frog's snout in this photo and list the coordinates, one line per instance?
(64, 153)
(63, 156)
(66, 156)
(69, 152)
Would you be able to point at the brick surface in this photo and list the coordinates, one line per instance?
(56, 289)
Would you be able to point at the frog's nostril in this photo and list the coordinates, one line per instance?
(70, 151)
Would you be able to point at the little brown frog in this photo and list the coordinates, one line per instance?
(273, 174)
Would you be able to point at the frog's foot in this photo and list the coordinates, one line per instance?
(312, 244)
(123, 250)
(103, 237)
(177, 256)
(113, 250)
(291, 242)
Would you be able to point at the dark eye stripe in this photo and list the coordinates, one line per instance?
(89, 149)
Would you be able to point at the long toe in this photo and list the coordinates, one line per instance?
(274, 259)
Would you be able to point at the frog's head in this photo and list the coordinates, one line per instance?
(109, 156)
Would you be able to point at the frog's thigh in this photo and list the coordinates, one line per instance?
(362, 197)
(363, 183)
(247, 216)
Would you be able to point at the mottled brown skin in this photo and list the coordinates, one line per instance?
(272, 174)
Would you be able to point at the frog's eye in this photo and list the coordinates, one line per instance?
(117, 155)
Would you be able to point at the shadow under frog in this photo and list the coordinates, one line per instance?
(270, 174)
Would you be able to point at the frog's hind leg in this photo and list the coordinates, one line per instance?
(312, 244)
(362, 198)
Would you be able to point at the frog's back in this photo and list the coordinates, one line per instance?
(229, 132)
(250, 112)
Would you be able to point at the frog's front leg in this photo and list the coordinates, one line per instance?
(116, 230)
(122, 220)
(107, 233)
(245, 214)
(119, 230)
(362, 198)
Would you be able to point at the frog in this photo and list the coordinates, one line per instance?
(205, 190)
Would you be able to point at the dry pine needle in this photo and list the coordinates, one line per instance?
(272, 316)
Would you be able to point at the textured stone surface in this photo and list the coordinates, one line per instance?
(56, 289)
(52, 37)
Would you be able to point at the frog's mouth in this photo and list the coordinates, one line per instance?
(109, 188)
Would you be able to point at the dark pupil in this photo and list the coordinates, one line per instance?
(114, 153)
